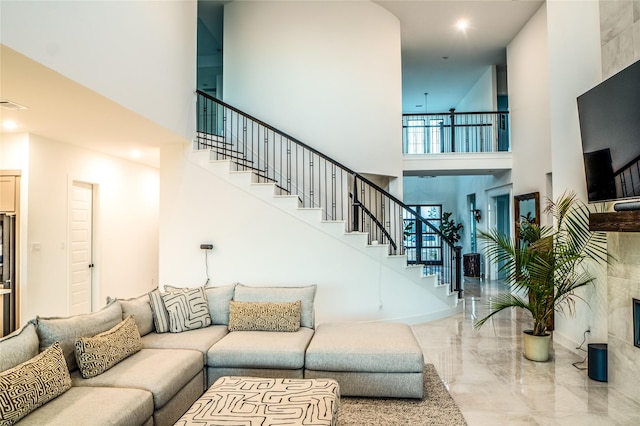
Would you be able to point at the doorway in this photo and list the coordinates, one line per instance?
(503, 224)
(7, 274)
(81, 248)
(499, 217)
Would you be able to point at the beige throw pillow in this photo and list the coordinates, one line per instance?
(33, 383)
(264, 316)
(97, 354)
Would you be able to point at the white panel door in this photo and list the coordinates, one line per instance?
(80, 250)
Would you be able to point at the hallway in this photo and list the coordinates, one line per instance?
(493, 383)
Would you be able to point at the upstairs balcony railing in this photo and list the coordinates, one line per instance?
(438, 133)
(317, 180)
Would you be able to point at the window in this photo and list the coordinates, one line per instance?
(415, 137)
(423, 244)
(435, 135)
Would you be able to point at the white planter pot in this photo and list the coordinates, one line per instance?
(536, 348)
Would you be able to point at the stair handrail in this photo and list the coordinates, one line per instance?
(456, 250)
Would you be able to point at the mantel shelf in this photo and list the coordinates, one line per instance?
(626, 221)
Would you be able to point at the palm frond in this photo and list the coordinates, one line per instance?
(550, 265)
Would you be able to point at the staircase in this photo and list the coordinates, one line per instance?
(305, 184)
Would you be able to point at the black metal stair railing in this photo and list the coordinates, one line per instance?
(317, 180)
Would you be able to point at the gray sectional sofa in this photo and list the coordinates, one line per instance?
(145, 362)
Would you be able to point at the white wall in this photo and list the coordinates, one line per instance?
(528, 77)
(483, 94)
(574, 67)
(141, 54)
(125, 233)
(327, 73)
(256, 243)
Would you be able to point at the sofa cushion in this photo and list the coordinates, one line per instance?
(31, 384)
(163, 372)
(94, 406)
(200, 339)
(305, 294)
(99, 353)
(365, 347)
(187, 309)
(19, 346)
(218, 299)
(140, 309)
(265, 316)
(66, 330)
(261, 349)
(159, 312)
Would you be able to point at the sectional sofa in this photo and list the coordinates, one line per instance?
(146, 360)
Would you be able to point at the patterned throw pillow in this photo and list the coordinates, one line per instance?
(33, 383)
(160, 314)
(187, 309)
(97, 354)
(265, 316)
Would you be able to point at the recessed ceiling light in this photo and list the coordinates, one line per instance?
(135, 153)
(9, 125)
(462, 25)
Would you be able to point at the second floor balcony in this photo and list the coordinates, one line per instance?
(456, 143)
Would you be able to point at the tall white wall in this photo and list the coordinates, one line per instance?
(125, 231)
(259, 244)
(141, 54)
(528, 77)
(483, 94)
(327, 73)
(574, 67)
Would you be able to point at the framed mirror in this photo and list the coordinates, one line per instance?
(526, 209)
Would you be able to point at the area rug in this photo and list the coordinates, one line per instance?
(436, 408)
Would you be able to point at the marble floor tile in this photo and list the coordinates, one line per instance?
(492, 383)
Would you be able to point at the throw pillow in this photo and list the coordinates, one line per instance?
(160, 314)
(97, 354)
(67, 330)
(254, 316)
(306, 294)
(187, 309)
(218, 299)
(33, 383)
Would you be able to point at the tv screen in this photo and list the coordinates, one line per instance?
(610, 128)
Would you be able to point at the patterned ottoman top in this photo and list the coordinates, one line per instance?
(258, 401)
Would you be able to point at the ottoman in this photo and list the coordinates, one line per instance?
(261, 401)
(367, 359)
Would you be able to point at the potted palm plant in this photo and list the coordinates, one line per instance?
(545, 267)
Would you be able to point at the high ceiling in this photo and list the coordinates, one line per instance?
(445, 62)
(437, 58)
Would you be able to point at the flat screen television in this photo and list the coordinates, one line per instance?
(609, 117)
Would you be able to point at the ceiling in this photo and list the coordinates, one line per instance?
(437, 58)
(60, 109)
(444, 62)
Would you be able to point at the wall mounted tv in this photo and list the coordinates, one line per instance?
(610, 128)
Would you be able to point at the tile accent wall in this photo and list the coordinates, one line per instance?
(620, 44)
